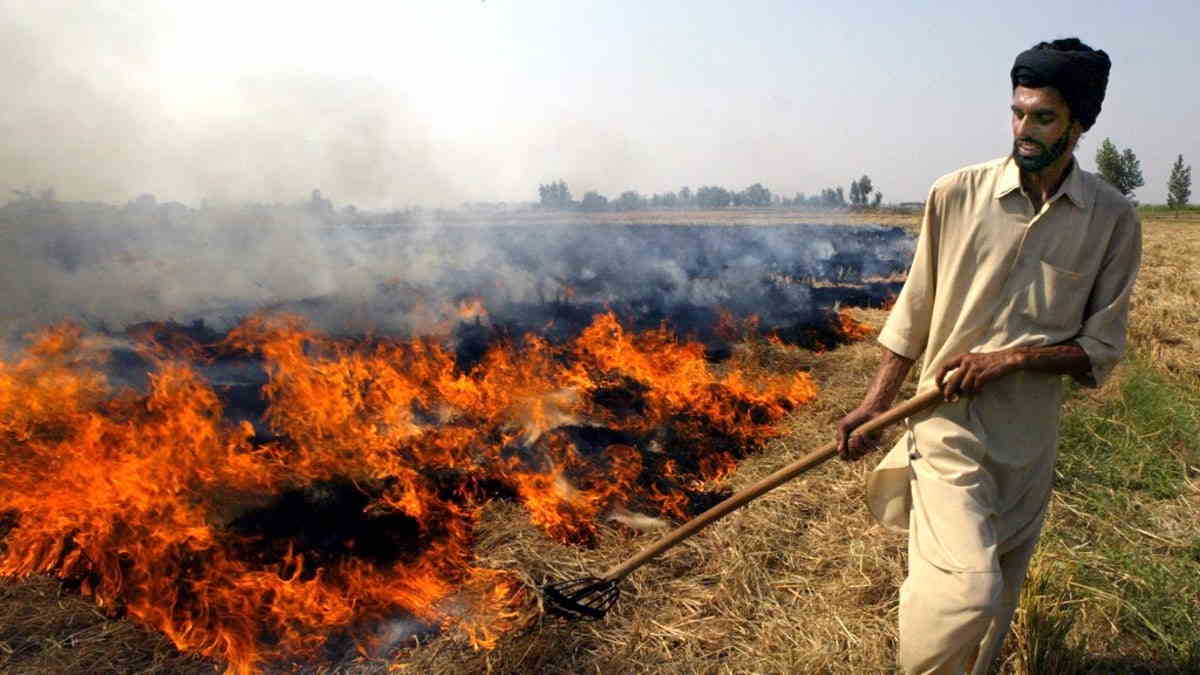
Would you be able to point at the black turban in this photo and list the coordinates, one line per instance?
(1077, 71)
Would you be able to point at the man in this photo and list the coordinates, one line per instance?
(1022, 274)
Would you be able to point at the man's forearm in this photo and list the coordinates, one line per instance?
(889, 377)
(1067, 358)
(968, 373)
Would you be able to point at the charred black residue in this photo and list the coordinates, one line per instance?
(325, 521)
(623, 399)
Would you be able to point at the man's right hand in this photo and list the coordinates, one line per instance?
(849, 447)
(892, 370)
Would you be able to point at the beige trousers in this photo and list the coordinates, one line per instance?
(953, 623)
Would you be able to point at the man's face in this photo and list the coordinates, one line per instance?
(1042, 127)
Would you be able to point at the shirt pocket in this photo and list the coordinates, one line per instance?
(1054, 299)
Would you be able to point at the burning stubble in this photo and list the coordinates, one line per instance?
(356, 506)
(262, 487)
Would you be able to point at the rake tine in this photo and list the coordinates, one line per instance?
(586, 598)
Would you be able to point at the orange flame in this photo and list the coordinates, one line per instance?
(853, 329)
(133, 494)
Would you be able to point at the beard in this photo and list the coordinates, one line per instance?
(1043, 159)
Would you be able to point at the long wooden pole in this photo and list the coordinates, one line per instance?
(914, 405)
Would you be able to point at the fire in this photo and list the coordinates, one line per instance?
(731, 327)
(853, 329)
(164, 505)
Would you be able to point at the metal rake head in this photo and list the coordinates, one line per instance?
(586, 598)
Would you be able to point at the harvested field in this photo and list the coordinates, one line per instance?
(803, 581)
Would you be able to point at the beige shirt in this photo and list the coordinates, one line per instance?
(989, 274)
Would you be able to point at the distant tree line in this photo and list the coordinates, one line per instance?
(43, 207)
(557, 195)
(1124, 172)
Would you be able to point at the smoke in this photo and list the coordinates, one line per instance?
(105, 113)
(112, 267)
(100, 115)
(240, 103)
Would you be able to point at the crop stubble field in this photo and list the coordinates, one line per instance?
(802, 580)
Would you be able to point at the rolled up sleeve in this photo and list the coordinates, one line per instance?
(906, 330)
(1106, 318)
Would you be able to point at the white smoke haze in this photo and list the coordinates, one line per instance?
(100, 117)
(108, 110)
(125, 99)
(111, 267)
(233, 103)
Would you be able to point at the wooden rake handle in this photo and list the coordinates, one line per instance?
(912, 406)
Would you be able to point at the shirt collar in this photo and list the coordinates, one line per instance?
(1010, 178)
(1072, 187)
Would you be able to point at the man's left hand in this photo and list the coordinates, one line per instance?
(972, 371)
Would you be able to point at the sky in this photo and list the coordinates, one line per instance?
(438, 103)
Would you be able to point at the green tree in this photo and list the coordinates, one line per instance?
(755, 195)
(594, 201)
(1108, 162)
(666, 200)
(832, 198)
(865, 188)
(1121, 169)
(1179, 185)
(713, 197)
(556, 195)
(630, 200)
(1132, 170)
(860, 191)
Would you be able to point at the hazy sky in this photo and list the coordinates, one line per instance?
(435, 103)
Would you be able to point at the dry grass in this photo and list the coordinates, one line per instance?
(1162, 324)
(801, 581)
(44, 629)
